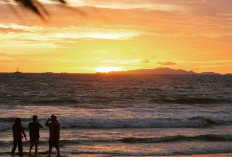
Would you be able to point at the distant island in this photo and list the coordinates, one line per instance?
(162, 71)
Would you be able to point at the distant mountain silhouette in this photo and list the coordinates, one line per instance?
(162, 71)
(209, 73)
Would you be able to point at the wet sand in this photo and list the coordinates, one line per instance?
(196, 155)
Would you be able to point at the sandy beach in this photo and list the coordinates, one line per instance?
(108, 155)
(196, 155)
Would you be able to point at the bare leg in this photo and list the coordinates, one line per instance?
(58, 150)
(14, 147)
(50, 150)
(36, 149)
(20, 147)
(30, 149)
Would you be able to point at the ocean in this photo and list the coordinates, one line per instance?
(121, 115)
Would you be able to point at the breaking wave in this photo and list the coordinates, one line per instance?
(209, 137)
(193, 122)
(191, 101)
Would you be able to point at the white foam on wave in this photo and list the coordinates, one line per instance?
(134, 123)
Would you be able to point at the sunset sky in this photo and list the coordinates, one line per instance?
(103, 35)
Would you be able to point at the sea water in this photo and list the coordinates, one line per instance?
(121, 115)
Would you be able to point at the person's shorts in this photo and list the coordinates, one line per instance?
(54, 142)
(34, 141)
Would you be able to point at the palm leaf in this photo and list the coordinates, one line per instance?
(35, 6)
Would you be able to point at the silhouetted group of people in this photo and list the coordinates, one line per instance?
(34, 127)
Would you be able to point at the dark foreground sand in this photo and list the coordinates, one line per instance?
(107, 155)
(201, 155)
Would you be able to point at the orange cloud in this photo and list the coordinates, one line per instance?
(145, 61)
(167, 63)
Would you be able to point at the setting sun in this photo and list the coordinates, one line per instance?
(107, 69)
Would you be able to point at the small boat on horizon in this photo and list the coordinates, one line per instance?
(17, 71)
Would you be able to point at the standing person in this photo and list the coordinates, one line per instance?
(18, 133)
(54, 134)
(34, 127)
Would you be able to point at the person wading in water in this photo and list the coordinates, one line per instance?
(18, 131)
(34, 127)
(54, 134)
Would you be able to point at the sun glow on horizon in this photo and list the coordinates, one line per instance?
(107, 69)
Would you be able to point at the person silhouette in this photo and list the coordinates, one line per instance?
(34, 127)
(54, 134)
(18, 131)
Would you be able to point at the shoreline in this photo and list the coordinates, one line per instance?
(194, 155)
(108, 155)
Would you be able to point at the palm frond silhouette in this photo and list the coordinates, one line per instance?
(37, 7)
